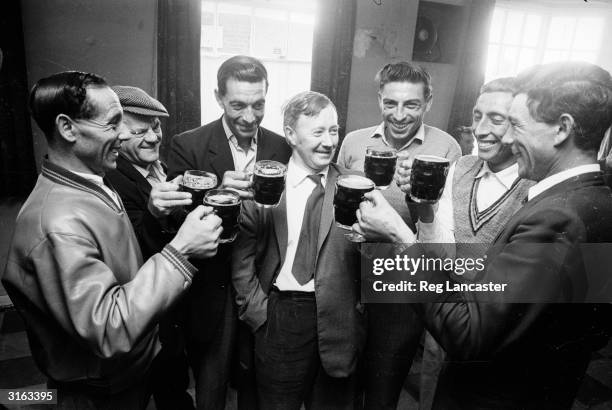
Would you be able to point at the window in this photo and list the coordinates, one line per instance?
(521, 37)
(278, 32)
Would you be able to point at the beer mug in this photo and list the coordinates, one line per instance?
(268, 183)
(197, 183)
(379, 165)
(349, 194)
(226, 204)
(427, 178)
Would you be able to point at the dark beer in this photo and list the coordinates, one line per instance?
(268, 183)
(197, 183)
(349, 194)
(380, 166)
(226, 204)
(427, 178)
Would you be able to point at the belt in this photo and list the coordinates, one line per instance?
(293, 294)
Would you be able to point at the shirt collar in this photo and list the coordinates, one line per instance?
(144, 171)
(506, 176)
(559, 177)
(379, 132)
(296, 174)
(232, 138)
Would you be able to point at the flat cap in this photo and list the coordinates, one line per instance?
(136, 101)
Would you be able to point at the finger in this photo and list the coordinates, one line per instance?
(177, 180)
(170, 195)
(237, 184)
(375, 197)
(171, 203)
(166, 187)
(200, 212)
(357, 228)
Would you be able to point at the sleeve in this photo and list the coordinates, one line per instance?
(442, 228)
(538, 259)
(84, 296)
(343, 155)
(454, 151)
(252, 301)
(180, 158)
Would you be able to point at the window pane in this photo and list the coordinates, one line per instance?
(588, 34)
(531, 32)
(560, 32)
(492, 58)
(236, 36)
(270, 37)
(551, 56)
(588, 56)
(508, 61)
(527, 58)
(514, 27)
(300, 37)
(497, 25)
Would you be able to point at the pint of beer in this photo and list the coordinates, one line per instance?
(427, 178)
(226, 204)
(349, 194)
(268, 183)
(380, 165)
(197, 183)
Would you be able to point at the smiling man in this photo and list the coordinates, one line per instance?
(296, 275)
(404, 96)
(227, 147)
(75, 271)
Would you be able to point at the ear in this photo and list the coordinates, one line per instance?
(65, 128)
(219, 99)
(290, 135)
(428, 103)
(565, 129)
(379, 99)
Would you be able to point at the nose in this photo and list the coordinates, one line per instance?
(248, 115)
(482, 127)
(327, 140)
(399, 112)
(124, 132)
(151, 137)
(508, 138)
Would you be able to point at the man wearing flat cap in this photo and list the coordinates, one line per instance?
(140, 180)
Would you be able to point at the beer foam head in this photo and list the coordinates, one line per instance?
(199, 181)
(269, 168)
(432, 158)
(222, 198)
(356, 182)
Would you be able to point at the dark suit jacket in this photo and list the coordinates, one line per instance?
(258, 256)
(504, 355)
(134, 190)
(206, 148)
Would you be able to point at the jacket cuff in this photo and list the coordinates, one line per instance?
(179, 261)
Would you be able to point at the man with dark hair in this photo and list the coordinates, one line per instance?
(404, 95)
(534, 355)
(75, 271)
(140, 181)
(296, 275)
(227, 147)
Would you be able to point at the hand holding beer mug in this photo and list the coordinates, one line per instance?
(379, 165)
(165, 197)
(350, 190)
(197, 183)
(427, 178)
(379, 222)
(240, 182)
(226, 205)
(268, 183)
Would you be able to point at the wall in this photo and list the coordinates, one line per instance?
(113, 38)
(385, 34)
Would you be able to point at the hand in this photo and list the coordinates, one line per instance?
(379, 222)
(165, 197)
(198, 236)
(239, 182)
(402, 175)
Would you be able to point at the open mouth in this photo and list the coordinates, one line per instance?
(400, 127)
(486, 144)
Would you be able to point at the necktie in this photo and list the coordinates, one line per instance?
(306, 253)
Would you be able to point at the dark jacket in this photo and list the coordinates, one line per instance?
(206, 148)
(519, 355)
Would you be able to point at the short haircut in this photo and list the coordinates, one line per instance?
(241, 68)
(582, 90)
(500, 85)
(62, 93)
(308, 103)
(404, 72)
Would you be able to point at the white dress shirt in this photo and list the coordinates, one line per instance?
(559, 177)
(492, 186)
(98, 180)
(243, 160)
(154, 172)
(298, 188)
